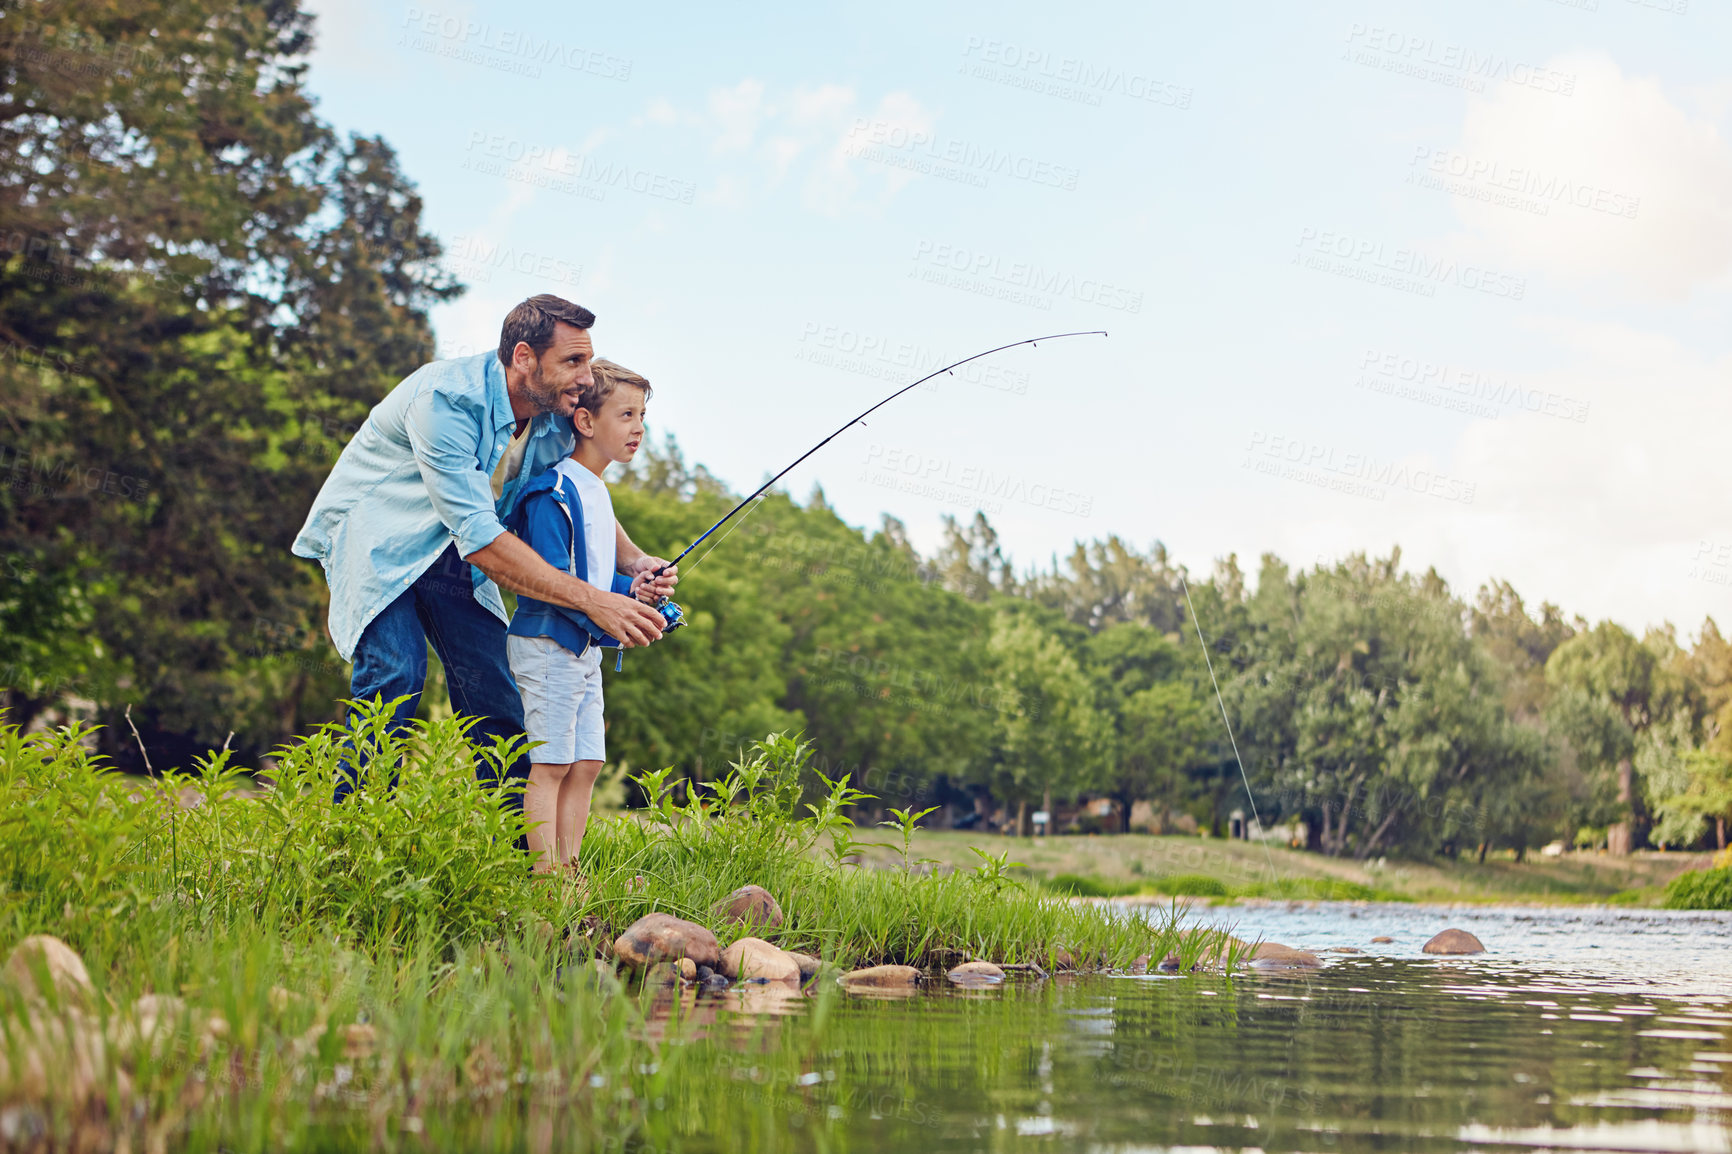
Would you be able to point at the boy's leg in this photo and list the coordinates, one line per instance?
(589, 748)
(541, 813)
(574, 797)
(390, 662)
(470, 642)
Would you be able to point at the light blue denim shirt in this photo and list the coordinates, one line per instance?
(416, 477)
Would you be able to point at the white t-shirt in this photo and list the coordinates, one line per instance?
(511, 461)
(598, 523)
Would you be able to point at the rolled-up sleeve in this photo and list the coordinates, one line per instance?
(445, 435)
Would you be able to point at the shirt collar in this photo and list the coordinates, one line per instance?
(499, 397)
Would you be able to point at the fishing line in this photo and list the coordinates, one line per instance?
(1219, 700)
(762, 489)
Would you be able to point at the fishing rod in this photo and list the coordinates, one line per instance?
(675, 617)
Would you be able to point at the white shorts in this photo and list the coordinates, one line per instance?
(561, 699)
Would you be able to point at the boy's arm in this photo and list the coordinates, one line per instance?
(637, 564)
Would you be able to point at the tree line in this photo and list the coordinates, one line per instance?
(204, 288)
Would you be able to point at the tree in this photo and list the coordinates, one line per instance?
(219, 289)
(1160, 723)
(1048, 736)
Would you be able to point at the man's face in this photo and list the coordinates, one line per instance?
(554, 381)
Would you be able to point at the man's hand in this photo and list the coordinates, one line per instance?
(517, 567)
(633, 622)
(647, 588)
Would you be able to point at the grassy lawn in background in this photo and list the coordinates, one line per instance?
(1141, 863)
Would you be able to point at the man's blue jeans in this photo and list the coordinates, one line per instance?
(391, 662)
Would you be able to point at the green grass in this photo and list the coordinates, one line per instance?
(1118, 863)
(386, 972)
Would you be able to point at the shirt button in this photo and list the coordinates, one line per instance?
(408, 581)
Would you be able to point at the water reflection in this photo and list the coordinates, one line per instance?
(1548, 1041)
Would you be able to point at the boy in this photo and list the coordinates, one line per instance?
(566, 516)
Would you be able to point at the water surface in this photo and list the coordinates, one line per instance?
(1580, 1029)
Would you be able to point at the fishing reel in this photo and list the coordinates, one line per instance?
(672, 615)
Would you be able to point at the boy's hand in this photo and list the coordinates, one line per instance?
(647, 588)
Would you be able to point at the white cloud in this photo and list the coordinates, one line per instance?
(1634, 189)
(808, 134)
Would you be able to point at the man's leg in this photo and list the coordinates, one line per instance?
(390, 662)
(574, 796)
(470, 642)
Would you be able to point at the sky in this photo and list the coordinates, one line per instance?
(1451, 277)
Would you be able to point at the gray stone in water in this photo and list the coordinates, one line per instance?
(1274, 956)
(1454, 941)
(881, 978)
(665, 938)
(976, 974)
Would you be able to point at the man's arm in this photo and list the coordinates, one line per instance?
(513, 565)
(635, 563)
(446, 440)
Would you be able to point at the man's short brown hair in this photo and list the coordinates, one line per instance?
(608, 377)
(533, 322)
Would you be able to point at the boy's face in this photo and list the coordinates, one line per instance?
(617, 430)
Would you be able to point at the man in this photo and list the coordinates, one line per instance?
(408, 524)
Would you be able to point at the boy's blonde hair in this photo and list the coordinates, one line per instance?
(608, 377)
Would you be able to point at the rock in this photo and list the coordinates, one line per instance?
(881, 978)
(1139, 965)
(1274, 956)
(59, 965)
(54, 1058)
(1063, 959)
(1381, 940)
(281, 1000)
(750, 905)
(1454, 942)
(360, 1039)
(1170, 963)
(976, 974)
(754, 958)
(661, 974)
(688, 970)
(665, 938)
(151, 1023)
(809, 966)
(1344, 950)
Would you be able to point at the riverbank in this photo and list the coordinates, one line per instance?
(1130, 864)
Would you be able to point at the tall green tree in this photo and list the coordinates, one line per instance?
(220, 288)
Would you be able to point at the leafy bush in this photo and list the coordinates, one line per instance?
(83, 848)
(1709, 889)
